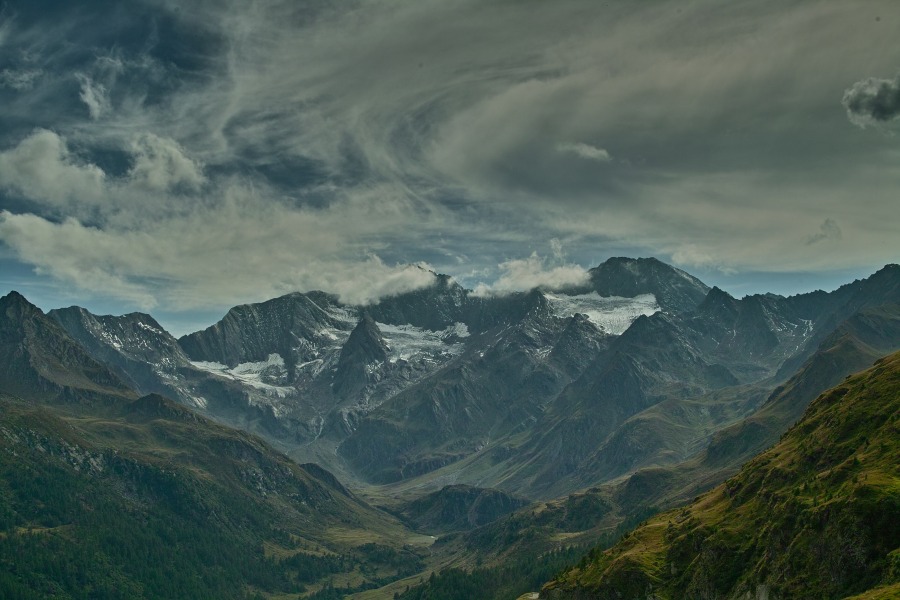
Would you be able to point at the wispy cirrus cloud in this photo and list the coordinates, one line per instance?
(219, 152)
(19, 80)
(828, 230)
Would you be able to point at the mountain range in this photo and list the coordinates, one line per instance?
(506, 424)
(538, 393)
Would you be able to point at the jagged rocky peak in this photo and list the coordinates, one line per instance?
(885, 283)
(434, 307)
(137, 348)
(15, 306)
(720, 303)
(538, 301)
(15, 311)
(366, 342)
(578, 328)
(130, 333)
(646, 325)
(536, 307)
(675, 290)
(292, 326)
(578, 344)
(364, 348)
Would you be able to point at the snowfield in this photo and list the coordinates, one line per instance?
(407, 341)
(612, 314)
(252, 373)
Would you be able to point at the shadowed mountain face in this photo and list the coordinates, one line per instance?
(39, 358)
(814, 516)
(539, 393)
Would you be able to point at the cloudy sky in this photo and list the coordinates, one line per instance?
(182, 157)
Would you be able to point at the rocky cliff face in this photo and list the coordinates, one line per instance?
(295, 327)
(364, 350)
(675, 290)
(140, 351)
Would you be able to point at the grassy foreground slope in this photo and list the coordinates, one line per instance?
(816, 516)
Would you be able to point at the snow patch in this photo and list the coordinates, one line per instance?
(111, 339)
(612, 314)
(252, 374)
(149, 328)
(407, 341)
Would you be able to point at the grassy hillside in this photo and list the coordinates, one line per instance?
(816, 516)
(148, 500)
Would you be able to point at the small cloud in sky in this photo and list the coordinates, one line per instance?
(556, 248)
(585, 151)
(161, 164)
(828, 230)
(692, 255)
(94, 95)
(19, 80)
(369, 281)
(536, 271)
(873, 101)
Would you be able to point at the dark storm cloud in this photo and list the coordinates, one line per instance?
(828, 230)
(873, 101)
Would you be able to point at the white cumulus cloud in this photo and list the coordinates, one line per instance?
(585, 151)
(535, 271)
(42, 168)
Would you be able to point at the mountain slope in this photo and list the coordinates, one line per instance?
(855, 344)
(104, 494)
(495, 389)
(458, 507)
(717, 452)
(156, 502)
(816, 516)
